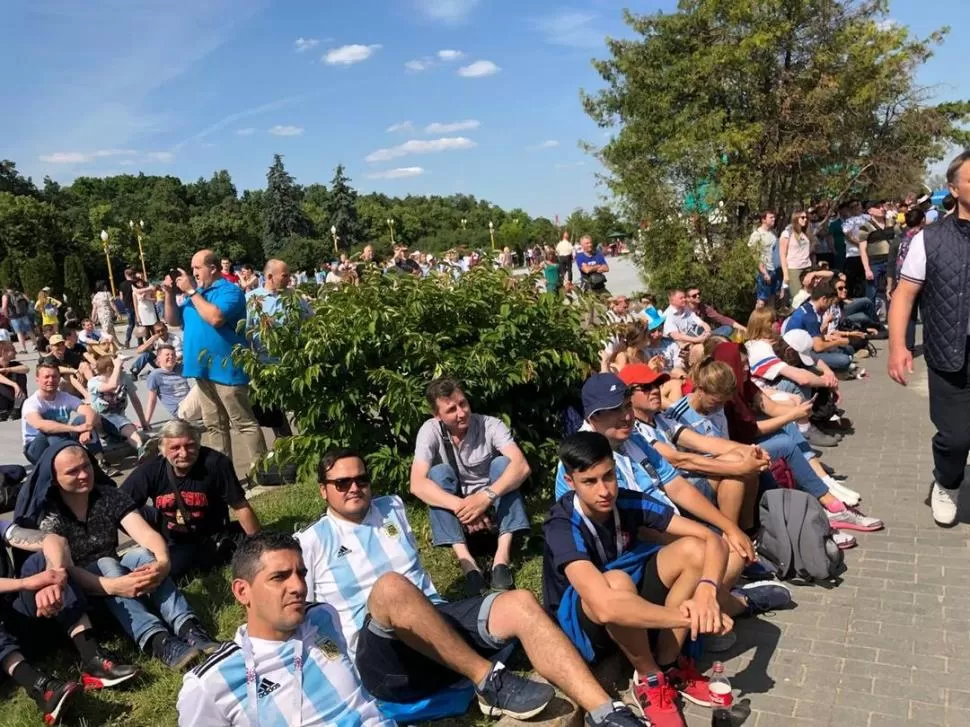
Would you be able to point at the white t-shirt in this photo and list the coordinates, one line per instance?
(765, 365)
(686, 321)
(216, 694)
(58, 409)
(851, 227)
(564, 248)
(88, 338)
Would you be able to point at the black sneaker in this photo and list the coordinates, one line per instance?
(109, 469)
(197, 637)
(102, 671)
(474, 583)
(52, 696)
(506, 693)
(175, 653)
(502, 578)
(621, 716)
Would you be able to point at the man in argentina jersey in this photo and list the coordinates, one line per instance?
(362, 559)
(288, 665)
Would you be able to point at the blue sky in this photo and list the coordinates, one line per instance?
(412, 96)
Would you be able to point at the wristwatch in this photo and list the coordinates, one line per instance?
(490, 493)
(190, 293)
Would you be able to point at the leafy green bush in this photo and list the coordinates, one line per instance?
(38, 272)
(76, 283)
(9, 272)
(354, 372)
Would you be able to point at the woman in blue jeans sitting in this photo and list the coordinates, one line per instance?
(775, 432)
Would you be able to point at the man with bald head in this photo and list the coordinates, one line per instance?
(210, 311)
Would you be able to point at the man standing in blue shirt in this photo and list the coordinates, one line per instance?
(592, 265)
(808, 317)
(210, 312)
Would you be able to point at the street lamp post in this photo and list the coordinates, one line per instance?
(491, 232)
(390, 225)
(107, 258)
(139, 229)
(333, 231)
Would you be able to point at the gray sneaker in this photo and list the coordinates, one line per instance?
(506, 693)
(817, 438)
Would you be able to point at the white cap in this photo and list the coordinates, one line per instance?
(801, 341)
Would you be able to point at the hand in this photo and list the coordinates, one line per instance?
(184, 282)
(157, 571)
(49, 577)
(900, 364)
(85, 438)
(831, 380)
(656, 363)
(739, 543)
(804, 409)
(704, 613)
(17, 391)
(752, 461)
(131, 585)
(471, 508)
(869, 275)
(766, 277)
(49, 601)
(82, 428)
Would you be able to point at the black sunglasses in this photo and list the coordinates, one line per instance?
(343, 484)
(644, 387)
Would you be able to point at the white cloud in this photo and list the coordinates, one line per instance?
(347, 55)
(400, 126)
(304, 44)
(419, 64)
(450, 55)
(399, 173)
(248, 131)
(416, 146)
(439, 128)
(547, 144)
(451, 12)
(245, 113)
(478, 69)
(160, 156)
(127, 162)
(80, 157)
(571, 28)
(281, 130)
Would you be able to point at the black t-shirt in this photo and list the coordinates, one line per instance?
(127, 296)
(97, 536)
(209, 489)
(73, 357)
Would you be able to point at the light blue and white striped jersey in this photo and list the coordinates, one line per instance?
(216, 694)
(681, 412)
(344, 561)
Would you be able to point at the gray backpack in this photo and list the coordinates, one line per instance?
(796, 538)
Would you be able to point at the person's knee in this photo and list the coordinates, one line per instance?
(110, 567)
(691, 552)
(519, 602)
(390, 591)
(444, 476)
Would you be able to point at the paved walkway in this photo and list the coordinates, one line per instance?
(891, 644)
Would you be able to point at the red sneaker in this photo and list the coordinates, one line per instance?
(691, 684)
(658, 703)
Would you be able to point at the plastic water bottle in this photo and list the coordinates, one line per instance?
(721, 697)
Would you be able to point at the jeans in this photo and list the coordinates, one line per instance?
(782, 445)
(143, 360)
(224, 408)
(133, 614)
(949, 403)
(509, 508)
(838, 359)
(790, 387)
(35, 449)
(876, 288)
(25, 602)
(725, 331)
(861, 310)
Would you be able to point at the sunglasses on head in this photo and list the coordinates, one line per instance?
(343, 484)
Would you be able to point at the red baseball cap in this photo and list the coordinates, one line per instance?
(639, 373)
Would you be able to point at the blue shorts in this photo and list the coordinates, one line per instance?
(21, 325)
(114, 423)
(763, 290)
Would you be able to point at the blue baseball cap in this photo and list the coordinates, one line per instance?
(603, 392)
(654, 318)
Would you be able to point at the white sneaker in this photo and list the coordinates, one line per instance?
(943, 503)
(837, 489)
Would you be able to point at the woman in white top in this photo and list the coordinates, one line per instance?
(795, 249)
(144, 295)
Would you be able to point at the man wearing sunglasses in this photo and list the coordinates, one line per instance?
(408, 643)
(147, 351)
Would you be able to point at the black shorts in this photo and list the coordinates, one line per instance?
(652, 589)
(393, 671)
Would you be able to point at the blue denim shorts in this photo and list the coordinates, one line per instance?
(764, 290)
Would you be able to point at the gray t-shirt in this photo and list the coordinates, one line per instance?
(170, 386)
(483, 442)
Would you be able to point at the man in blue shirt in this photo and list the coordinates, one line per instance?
(808, 317)
(592, 265)
(210, 312)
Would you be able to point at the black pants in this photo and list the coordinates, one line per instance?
(949, 404)
(6, 392)
(855, 277)
(566, 268)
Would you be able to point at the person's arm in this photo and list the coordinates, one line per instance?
(428, 491)
(900, 310)
(17, 391)
(516, 472)
(151, 540)
(864, 255)
(783, 254)
(739, 466)
(46, 426)
(782, 415)
(173, 316)
(18, 369)
(720, 318)
(150, 405)
(803, 377)
(148, 344)
(247, 518)
(209, 312)
(687, 497)
(146, 422)
(819, 344)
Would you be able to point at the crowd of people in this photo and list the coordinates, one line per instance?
(649, 540)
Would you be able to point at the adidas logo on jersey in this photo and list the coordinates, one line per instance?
(266, 687)
(344, 551)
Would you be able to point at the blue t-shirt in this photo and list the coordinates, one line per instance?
(208, 350)
(582, 258)
(568, 538)
(170, 386)
(264, 303)
(805, 318)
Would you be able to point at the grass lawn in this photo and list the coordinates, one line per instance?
(151, 699)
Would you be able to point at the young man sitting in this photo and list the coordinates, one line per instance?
(148, 351)
(110, 390)
(191, 489)
(166, 383)
(467, 469)
(98, 344)
(407, 642)
(648, 617)
(808, 317)
(288, 664)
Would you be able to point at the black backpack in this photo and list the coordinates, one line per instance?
(796, 538)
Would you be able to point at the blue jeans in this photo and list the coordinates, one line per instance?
(725, 331)
(782, 445)
(876, 288)
(790, 387)
(134, 615)
(143, 360)
(838, 359)
(509, 508)
(35, 449)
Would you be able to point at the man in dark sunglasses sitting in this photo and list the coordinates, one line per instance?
(407, 642)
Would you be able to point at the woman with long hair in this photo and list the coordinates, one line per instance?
(104, 310)
(795, 249)
(47, 307)
(626, 348)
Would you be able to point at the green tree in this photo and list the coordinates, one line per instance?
(342, 209)
(76, 284)
(39, 272)
(27, 225)
(283, 215)
(10, 272)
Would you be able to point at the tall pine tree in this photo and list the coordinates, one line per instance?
(282, 214)
(342, 209)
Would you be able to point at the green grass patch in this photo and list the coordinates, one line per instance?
(150, 701)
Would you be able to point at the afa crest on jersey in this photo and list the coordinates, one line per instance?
(329, 648)
(392, 530)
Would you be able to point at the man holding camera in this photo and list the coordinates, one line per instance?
(192, 488)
